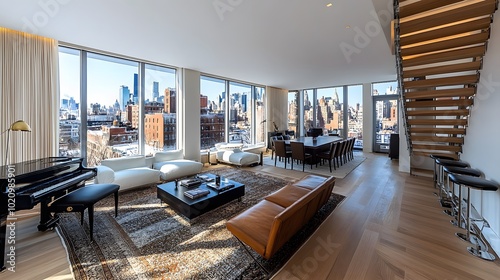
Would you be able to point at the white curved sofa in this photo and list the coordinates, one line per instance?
(134, 171)
(232, 153)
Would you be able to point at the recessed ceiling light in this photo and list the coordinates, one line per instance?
(329, 4)
(347, 26)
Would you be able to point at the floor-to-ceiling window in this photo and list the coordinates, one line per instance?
(260, 114)
(69, 110)
(160, 109)
(212, 111)
(109, 90)
(355, 114)
(112, 120)
(308, 109)
(293, 107)
(385, 102)
(240, 118)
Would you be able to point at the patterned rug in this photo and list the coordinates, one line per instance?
(148, 240)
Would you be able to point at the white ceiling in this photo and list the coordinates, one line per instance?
(292, 44)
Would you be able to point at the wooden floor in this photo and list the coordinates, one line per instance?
(390, 226)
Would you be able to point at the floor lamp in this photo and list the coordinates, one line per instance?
(16, 126)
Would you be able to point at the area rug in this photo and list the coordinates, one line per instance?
(324, 169)
(148, 240)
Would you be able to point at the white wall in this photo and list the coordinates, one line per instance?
(481, 149)
(188, 113)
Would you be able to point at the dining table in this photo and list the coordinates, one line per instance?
(314, 145)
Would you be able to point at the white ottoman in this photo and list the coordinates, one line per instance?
(174, 169)
(237, 157)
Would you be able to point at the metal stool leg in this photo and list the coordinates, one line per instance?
(469, 236)
(476, 250)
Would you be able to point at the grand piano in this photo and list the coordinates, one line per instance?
(23, 185)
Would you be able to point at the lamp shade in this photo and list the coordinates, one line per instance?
(20, 126)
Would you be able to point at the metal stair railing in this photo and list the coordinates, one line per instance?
(399, 69)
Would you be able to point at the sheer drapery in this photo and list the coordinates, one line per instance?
(277, 100)
(29, 91)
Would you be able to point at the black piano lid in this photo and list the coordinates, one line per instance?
(32, 167)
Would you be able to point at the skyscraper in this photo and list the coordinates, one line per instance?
(244, 103)
(156, 91)
(123, 97)
(136, 89)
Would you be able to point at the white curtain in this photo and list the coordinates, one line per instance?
(29, 91)
(277, 108)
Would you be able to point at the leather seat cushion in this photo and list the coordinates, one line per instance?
(253, 226)
(310, 182)
(87, 195)
(287, 195)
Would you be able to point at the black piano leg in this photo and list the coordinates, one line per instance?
(46, 220)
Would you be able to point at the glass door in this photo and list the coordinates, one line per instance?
(385, 117)
(386, 121)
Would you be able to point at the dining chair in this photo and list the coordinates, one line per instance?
(281, 151)
(348, 151)
(299, 153)
(351, 148)
(338, 152)
(274, 138)
(329, 155)
(343, 153)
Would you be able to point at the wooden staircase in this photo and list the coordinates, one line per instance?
(439, 51)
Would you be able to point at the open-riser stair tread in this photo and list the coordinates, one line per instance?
(444, 69)
(435, 147)
(438, 130)
(442, 82)
(435, 112)
(468, 26)
(448, 55)
(437, 139)
(440, 103)
(478, 9)
(427, 154)
(452, 122)
(466, 40)
(423, 6)
(430, 94)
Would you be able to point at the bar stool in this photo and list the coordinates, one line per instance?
(440, 183)
(435, 157)
(479, 184)
(456, 210)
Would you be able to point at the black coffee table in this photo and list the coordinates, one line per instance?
(191, 208)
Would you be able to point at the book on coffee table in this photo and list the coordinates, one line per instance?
(221, 187)
(195, 193)
(189, 183)
(205, 178)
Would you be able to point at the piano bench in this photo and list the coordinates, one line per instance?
(83, 198)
